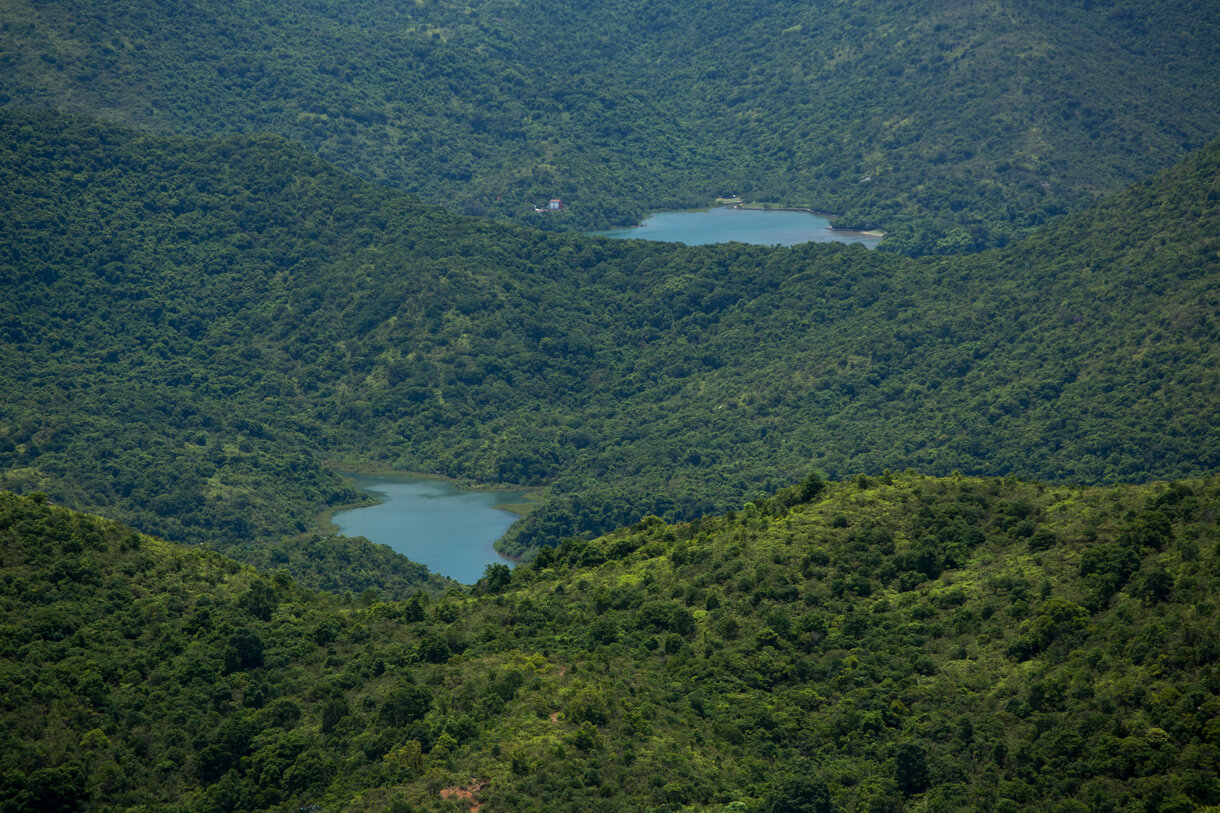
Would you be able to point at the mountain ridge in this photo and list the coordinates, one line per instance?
(973, 123)
(890, 642)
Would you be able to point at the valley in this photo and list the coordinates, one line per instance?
(910, 508)
(281, 312)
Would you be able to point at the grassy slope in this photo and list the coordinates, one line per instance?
(905, 641)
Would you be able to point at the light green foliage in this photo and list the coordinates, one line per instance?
(845, 683)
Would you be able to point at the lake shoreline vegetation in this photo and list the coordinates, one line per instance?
(934, 526)
(350, 471)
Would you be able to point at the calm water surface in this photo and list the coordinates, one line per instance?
(433, 523)
(726, 224)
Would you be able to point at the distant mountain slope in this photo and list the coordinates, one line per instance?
(952, 125)
(192, 325)
(889, 643)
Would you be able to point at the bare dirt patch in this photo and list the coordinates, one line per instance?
(467, 793)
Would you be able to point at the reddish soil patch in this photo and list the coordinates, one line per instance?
(467, 793)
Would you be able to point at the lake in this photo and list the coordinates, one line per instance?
(432, 522)
(765, 227)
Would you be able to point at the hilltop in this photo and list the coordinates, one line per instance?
(890, 642)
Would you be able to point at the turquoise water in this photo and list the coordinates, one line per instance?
(725, 224)
(432, 522)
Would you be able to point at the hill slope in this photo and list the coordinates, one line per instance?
(972, 121)
(193, 324)
(902, 642)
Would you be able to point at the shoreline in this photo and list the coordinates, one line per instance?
(869, 233)
(349, 472)
(764, 208)
(740, 205)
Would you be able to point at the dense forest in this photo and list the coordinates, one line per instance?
(194, 326)
(953, 126)
(958, 643)
(814, 528)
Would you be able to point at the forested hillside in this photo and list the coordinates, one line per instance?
(887, 643)
(192, 326)
(931, 527)
(953, 126)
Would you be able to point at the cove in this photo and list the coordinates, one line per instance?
(764, 227)
(432, 522)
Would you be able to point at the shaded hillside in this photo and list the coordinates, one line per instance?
(193, 325)
(952, 125)
(890, 643)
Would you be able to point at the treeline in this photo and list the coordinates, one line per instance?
(954, 129)
(192, 326)
(891, 642)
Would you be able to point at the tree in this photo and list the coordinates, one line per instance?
(433, 648)
(52, 789)
(799, 793)
(911, 768)
(405, 705)
(260, 600)
(811, 486)
(333, 710)
(244, 650)
(413, 608)
(496, 577)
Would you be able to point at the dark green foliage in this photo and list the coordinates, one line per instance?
(432, 648)
(244, 650)
(405, 705)
(339, 564)
(202, 323)
(799, 793)
(495, 578)
(953, 127)
(195, 331)
(1057, 618)
(911, 768)
(810, 487)
(48, 790)
(665, 616)
(260, 601)
(1106, 569)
